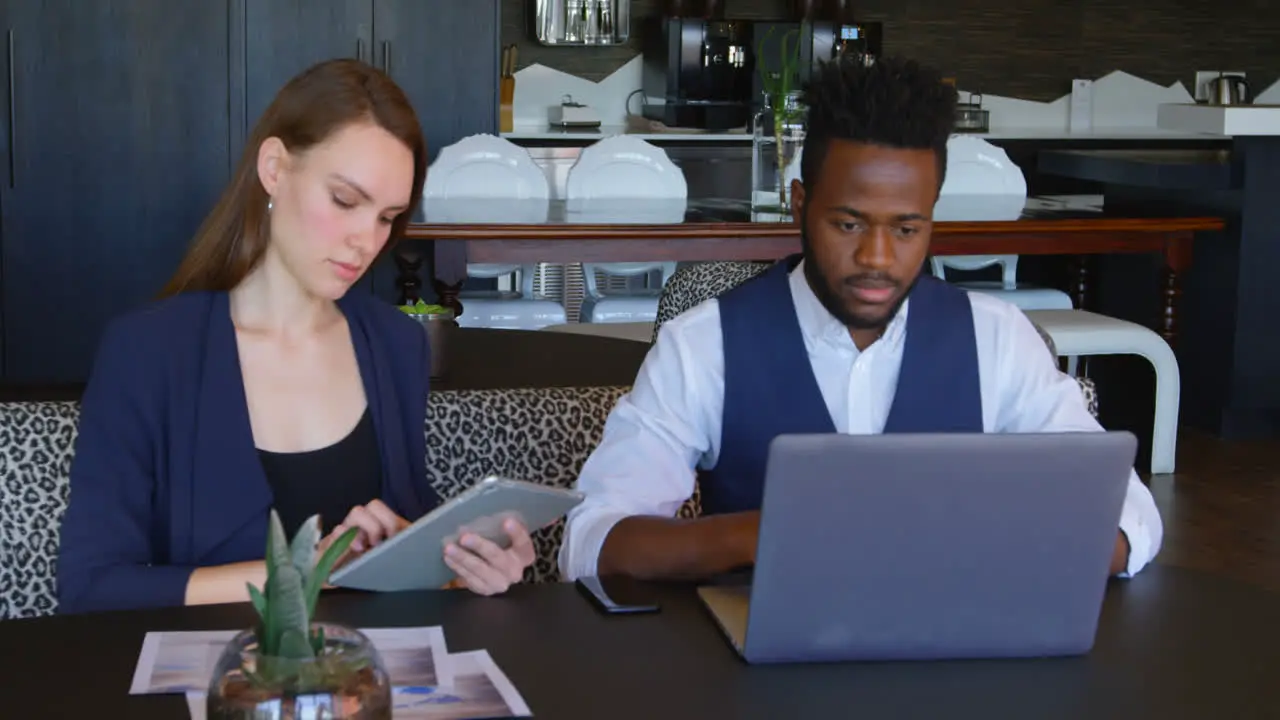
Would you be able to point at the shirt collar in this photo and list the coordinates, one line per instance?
(818, 325)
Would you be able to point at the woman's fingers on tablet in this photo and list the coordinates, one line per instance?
(391, 522)
(521, 543)
(478, 575)
(371, 532)
(505, 562)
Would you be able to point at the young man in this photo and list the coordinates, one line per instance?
(820, 344)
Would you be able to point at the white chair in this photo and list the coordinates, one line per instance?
(465, 179)
(1007, 288)
(984, 184)
(633, 306)
(625, 168)
(1079, 333)
(507, 309)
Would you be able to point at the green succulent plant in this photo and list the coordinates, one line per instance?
(422, 308)
(288, 648)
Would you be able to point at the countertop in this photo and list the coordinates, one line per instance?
(544, 132)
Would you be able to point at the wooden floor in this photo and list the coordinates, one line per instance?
(1221, 510)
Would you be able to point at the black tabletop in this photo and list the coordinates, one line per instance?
(1172, 643)
(482, 358)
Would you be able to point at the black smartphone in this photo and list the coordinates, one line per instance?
(616, 596)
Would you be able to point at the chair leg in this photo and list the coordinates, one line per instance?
(1164, 434)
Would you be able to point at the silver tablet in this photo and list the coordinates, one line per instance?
(414, 558)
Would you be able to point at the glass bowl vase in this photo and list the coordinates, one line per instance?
(347, 679)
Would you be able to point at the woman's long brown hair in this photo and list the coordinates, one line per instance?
(311, 107)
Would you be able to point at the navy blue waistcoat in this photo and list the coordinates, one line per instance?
(770, 388)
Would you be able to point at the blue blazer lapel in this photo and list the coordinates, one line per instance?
(398, 487)
(229, 487)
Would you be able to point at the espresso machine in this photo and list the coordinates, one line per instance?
(699, 72)
(825, 40)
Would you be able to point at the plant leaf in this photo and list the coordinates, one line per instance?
(320, 575)
(259, 601)
(303, 547)
(317, 641)
(269, 637)
(294, 645)
(277, 545)
(289, 610)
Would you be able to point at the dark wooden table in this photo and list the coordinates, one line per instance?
(481, 359)
(1172, 643)
(722, 229)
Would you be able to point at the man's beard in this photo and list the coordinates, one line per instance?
(830, 297)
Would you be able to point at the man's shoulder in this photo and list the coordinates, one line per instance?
(1002, 324)
(693, 323)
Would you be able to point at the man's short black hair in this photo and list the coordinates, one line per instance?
(893, 103)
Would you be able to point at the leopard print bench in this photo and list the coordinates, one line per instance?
(538, 434)
(36, 444)
(543, 435)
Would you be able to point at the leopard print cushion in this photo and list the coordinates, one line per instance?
(543, 435)
(36, 445)
(692, 285)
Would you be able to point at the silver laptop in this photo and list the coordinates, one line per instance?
(930, 546)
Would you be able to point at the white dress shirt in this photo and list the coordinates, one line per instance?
(669, 423)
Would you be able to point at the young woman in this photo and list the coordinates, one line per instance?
(260, 379)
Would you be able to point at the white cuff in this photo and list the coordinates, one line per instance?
(584, 537)
(1135, 530)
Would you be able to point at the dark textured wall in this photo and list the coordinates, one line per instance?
(1020, 48)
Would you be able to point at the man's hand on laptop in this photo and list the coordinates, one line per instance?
(653, 548)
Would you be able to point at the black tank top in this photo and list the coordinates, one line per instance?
(328, 481)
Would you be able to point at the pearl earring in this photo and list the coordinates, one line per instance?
(270, 204)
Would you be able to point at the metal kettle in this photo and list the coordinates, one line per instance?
(1228, 90)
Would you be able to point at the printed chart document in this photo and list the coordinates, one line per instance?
(480, 690)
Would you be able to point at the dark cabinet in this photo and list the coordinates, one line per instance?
(123, 119)
(285, 37)
(116, 143)
(445, 56)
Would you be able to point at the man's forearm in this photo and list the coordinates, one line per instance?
(653, 548)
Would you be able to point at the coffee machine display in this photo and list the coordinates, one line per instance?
(698, 72)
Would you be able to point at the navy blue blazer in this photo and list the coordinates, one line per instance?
(166, 476)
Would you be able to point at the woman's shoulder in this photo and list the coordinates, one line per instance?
(166, 319)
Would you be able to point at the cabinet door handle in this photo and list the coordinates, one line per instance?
(13, 116)
(386, 56)
(360, 49)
